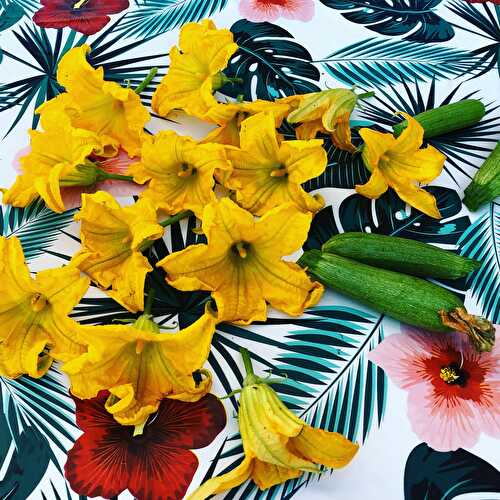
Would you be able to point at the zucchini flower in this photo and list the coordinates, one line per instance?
(267, 173)
(195, 70)
(34, 314)
(277, 444)
(401, 164)
(113, 238)
(140, 366)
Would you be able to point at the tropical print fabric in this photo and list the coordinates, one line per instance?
(336, 372)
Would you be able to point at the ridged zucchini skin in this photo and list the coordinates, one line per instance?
(447, 118)
(485, 185)
(406, 298)
(400, 254)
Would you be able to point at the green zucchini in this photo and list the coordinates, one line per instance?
(400, 254)
(447, 118)
(406, 298)
(485, 185)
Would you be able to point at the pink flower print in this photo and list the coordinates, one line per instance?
(453, 391)
(271, 10)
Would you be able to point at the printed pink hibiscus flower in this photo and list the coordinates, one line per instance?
(454, 392)
(158, 464)
(86, 16)
(270, 10)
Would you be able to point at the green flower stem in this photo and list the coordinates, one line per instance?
(247, 361)
(176, 218)
(366, 95)
(146, 81)
(118, 177)
(149, 301)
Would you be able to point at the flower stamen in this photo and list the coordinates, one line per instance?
(186, 170)
(281, 171)
(38, 302)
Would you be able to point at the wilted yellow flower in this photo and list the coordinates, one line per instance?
(195, 70)
(266, 173)
(230, 116)
(242, 263)
(277, 444)
(180, 172)
(112, 239)
(327, 111)
(94, 104)
(400, 164)
(55, 156)
(34, 314)
(140, 366)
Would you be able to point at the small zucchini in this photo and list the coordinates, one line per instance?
(447, 118)
(485, 185)
(400, 254)
(406, 298)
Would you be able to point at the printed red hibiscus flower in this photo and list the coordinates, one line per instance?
(107, 459)
(85, 16)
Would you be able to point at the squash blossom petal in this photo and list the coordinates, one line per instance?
(180, 172)
(112, 239)
(242, 263)
(400, 164)
(56, 154)
(140, 366)
(94, 104)
(277, 444)
(328, 112)
(230, 116)
(195, 70)
(34, 314)
(266, 173)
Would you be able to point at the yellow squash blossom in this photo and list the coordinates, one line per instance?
(94, 104)
(55, 157)
(266, 173)
(242, 263)
(230, 116)
(400, 164)
(277, 444)
(34, 314)
(195, 70)
(140, 366)
(112, 239)
(327, 111)
(180, 172)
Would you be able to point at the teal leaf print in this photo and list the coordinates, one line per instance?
(481, 241)
(36, 226)
(153, 17)
(435, 475)
(27, 465)
(378, 62)
(485, 26)
(414, 18)
(270, 62)
(10, 14)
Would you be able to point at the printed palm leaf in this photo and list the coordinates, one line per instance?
(378, 62)
(414, 18)
(435, 475)
(12, 11)
(481, 241)
(486, 26)
(270, 62)
(35, 225)
(40, 52)
(153, 17)
(463, 148)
